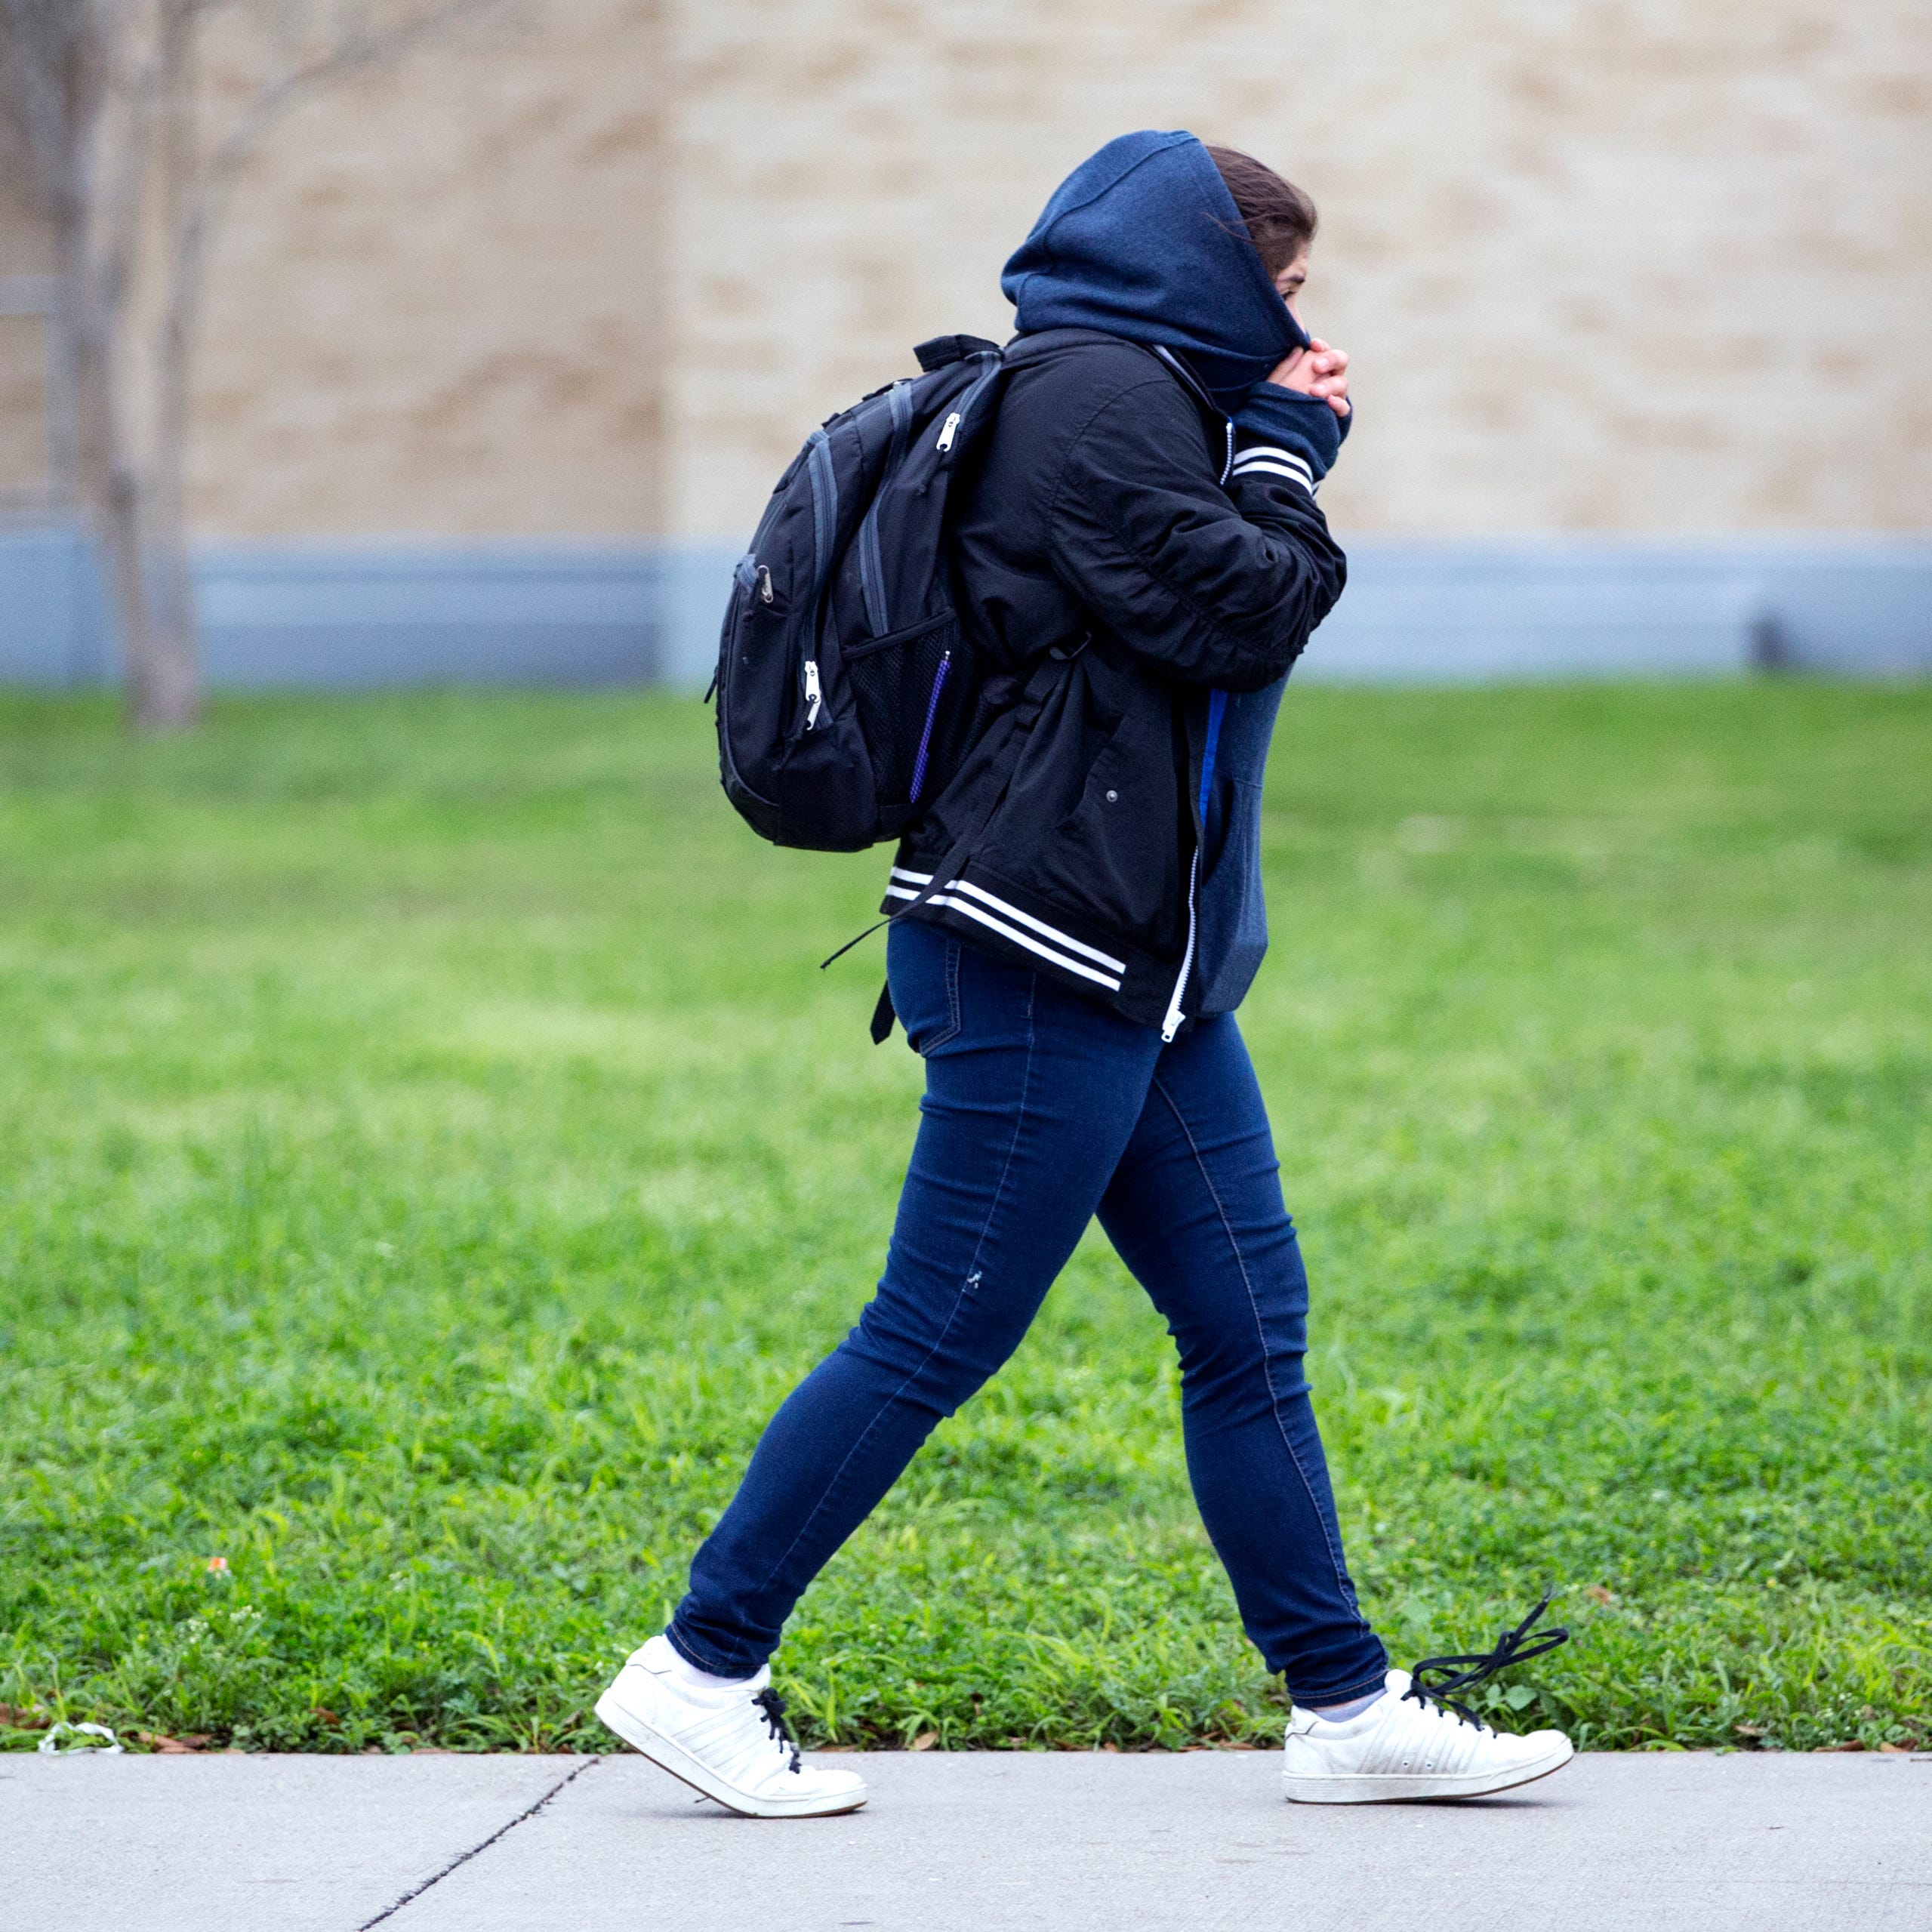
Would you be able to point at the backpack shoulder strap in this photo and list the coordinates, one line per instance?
(1015, 722)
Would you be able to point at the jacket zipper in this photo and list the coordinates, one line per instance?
(813, 696)
(1171, 1025)
(1217, 703)
(1190, 382)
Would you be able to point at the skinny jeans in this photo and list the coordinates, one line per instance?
(1042, 1109)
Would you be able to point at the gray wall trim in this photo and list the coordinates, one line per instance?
(361, 614)
(352, 614)
(55, 626)
(1609, 607)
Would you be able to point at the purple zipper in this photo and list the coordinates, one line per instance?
(925, 736)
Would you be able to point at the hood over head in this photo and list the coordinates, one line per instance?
(1143, 240)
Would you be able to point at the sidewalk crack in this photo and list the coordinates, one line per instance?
(464, 1857)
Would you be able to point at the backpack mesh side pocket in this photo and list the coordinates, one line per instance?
(901, 686)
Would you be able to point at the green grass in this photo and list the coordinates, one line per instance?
(428, 1151)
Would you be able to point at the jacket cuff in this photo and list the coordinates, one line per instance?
(1283, 422)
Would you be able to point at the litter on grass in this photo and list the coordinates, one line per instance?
(51, 1746)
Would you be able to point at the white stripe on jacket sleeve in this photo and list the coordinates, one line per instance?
(1268, 452)
(1264, 460)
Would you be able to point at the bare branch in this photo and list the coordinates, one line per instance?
(43, 73)
(100, 96)
(359, 50)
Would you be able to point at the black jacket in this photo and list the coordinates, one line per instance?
(1112, 571)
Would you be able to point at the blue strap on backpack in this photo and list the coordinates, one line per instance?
(847, 695)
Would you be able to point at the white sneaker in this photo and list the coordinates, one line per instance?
(1400, 1748)
(731, 1744)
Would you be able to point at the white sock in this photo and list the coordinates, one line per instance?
(1340, 1714)
(687, 1672)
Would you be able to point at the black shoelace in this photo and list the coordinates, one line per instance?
(1436, 1680)
(773, 1706)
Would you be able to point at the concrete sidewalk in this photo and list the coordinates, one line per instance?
(986, 1842)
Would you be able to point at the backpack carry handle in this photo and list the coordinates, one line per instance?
(937, 351)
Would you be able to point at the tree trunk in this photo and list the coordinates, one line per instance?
(138, 524)
(90, 324)
(165, 687)
(110, 104)
(166, 692)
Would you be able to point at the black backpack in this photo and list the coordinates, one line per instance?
(846, 694)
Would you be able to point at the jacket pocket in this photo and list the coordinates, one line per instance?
(1079, 714)
(1114, 852)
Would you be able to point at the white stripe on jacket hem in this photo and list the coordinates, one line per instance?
(1011, 932)
(1039, 926)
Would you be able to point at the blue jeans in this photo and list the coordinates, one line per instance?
(1041, 1109)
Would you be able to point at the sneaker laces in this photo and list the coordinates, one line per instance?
(1436, 1680)
(773, 1707)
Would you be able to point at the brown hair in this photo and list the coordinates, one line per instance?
(1281, 217)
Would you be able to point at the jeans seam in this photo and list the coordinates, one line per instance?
(953, 1314)
(928, 1044)
(951, 1030)
(1261, 1332)
(954, 1016)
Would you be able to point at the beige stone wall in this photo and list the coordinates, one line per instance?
(436, 305)
(595, 268)
(1654, 266)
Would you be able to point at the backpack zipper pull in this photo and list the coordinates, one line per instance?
(764, 583)
(813, 696)
(950, 429)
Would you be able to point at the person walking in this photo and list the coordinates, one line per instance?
(1141, 558)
